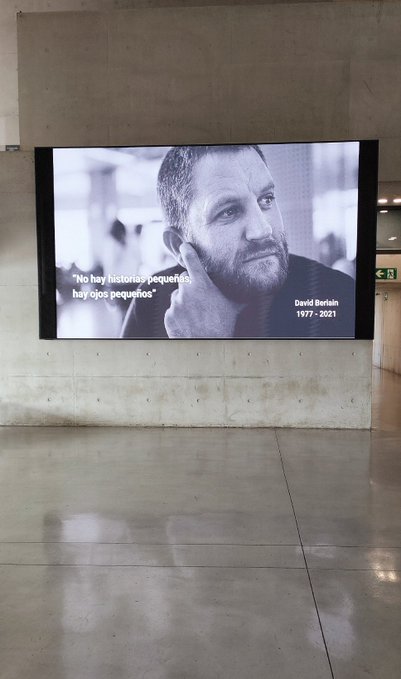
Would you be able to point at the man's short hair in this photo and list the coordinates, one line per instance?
(174, 181)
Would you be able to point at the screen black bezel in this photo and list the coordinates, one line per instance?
(366, 241)
(44, 190)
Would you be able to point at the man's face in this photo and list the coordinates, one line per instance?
(235, 225)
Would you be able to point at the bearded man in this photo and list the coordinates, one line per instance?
(225, 230)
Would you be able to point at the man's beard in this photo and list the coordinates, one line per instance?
(242, 280)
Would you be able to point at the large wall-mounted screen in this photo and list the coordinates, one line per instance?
(230, 241)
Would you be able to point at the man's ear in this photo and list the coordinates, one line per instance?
(173, 241)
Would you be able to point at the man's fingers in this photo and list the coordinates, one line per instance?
(192, 263)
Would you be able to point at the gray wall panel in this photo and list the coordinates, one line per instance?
(277, 71)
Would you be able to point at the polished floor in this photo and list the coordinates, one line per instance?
(202, 554)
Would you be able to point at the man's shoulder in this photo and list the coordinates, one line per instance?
(145, 315)
(314, 285)
(299, 267)
(303, 265)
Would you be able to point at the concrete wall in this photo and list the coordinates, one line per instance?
(158, 383)
(323, 70)
(235, 383)
(387, 343)
(9, 109)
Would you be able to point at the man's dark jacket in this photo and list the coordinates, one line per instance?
(306, 280)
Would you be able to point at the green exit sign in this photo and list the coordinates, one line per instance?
(386, 274)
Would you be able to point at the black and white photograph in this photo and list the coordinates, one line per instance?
(229, 241)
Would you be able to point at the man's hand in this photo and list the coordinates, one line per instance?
(199, 309)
